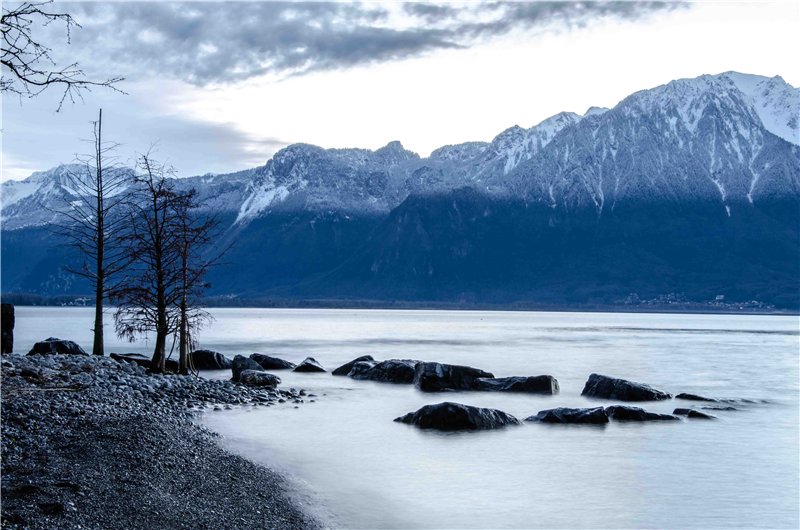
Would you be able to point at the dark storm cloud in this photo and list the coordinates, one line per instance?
(219, 42)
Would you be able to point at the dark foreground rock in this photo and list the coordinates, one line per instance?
(309, 365)
(438, 377)
(449, 416)
(7, 325)
(390, 371)
(56, 346)
(345, 368)
(623, 413)
(695, 397)
(240, 364)
(268, 362)
(259, 378)
(694, 414)
(595, 415)
(170, 365)
(208, 360)
(539, 384)
(604, 387)
(92, 443)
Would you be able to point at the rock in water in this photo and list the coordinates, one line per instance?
(268, 362)
(437, 377)
(208, 360)
(623, 413)
(695, 397)
(345, 368)
(56, 346)
(596, 415)
(259, 378)
(539, 384)
(7, 324)
(309, 364)
(601, 386)
(137, 358)
(697, 415)
(449, 416)
(391, 371)
(241, 363)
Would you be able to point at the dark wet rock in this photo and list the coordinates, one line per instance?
(695, 397)
(7, 324)
(259, 378)
(241, 363)
(539, 384)
(601, 386)
(390, 371)
(438, 377)
(208, 360)
(345, 368)
(720, 408)
(595, 415)
(268, 362)
(449, 416)
(309, 364)
(170, 365)
(692, 413)
(623, 413)
(53, 345)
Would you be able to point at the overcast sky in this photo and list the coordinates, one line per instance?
(219, 87)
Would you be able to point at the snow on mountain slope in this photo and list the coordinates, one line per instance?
(775, 101)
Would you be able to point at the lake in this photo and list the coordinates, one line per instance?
(356, 468)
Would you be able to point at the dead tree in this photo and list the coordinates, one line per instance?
(28, 67)
(95, 223)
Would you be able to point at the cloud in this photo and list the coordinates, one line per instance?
(207, 43)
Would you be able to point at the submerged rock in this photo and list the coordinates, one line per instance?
(623, 413)
(437, 377)
(53, 345)
(345, 368)
(390, 371)
(259, 378)
(601, 386)
(539, 384)
(450, 416)
(695, 397)
(269, 362)
(309, 364)
(208, 360)
(595, 415)
(691, 413)
(241, 363)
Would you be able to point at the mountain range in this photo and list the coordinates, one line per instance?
(689, 189)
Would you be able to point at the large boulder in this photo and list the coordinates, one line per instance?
(623, 413)
(170, 365)
(601, 386)
(268, 362)
(539, 384)
(56, 346)
(259, 378)
(7, 325)
(566, 415)
(390, 371)
(437, 377)
(449, 416)
(345, 368)
(309, 364)
(241, 363)
(208, 360)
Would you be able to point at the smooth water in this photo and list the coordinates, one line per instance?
(365, 471)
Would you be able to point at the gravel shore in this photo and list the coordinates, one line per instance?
(93, 443)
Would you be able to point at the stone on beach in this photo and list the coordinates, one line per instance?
(309, 365)
(595, 415)
(208, 360)
(450, 416)
(268, 362)
(539, 384)
(241, 363)
(438, 377)
(389, 371)
(624, 413)
(53, 345)
(259, 378)
(601, 386)
(345, 368)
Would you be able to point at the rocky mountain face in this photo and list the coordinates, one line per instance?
(511, 219)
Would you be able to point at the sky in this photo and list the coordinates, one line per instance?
(215, 87)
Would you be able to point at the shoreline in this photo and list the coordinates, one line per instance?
(95, 443)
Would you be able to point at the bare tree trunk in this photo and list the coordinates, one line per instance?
(97, 348)
(183, 338)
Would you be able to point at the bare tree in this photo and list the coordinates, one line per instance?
(95, 222)
(28, 64)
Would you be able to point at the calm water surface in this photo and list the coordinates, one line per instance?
(361, 470)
